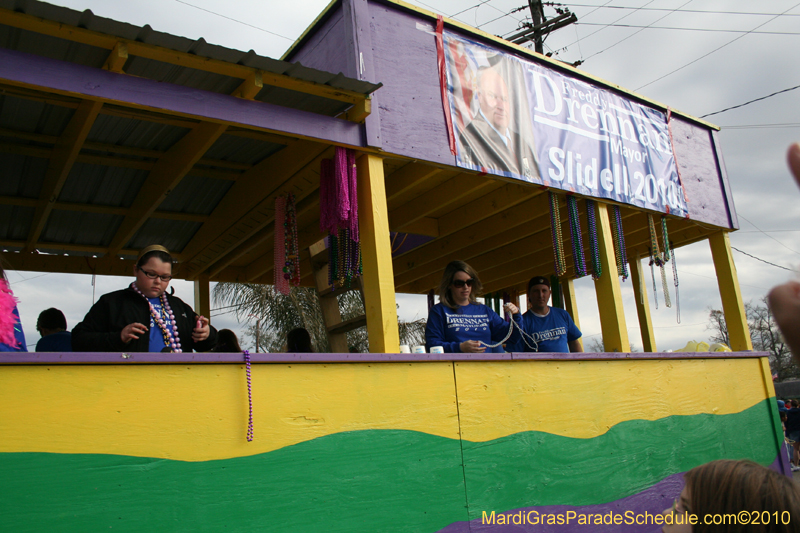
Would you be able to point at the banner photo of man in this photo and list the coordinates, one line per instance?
(488, 98)
(588, 140)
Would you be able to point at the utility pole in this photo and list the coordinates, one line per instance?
(537, 16)
(540, 26)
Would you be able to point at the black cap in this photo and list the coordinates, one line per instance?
(538, 280)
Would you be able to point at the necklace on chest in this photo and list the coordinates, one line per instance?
(165, 320)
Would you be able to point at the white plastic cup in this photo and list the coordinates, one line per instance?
(437, 349)
(405, 348)
(419, 349)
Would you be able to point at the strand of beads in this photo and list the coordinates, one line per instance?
(597, 267)
(281, 283)
(555, 228)
(655, 252)
(333, 254)
(675, 278)
(655, 287)
(167, 325)
(291, 268)
(249, 396)
(577, 238)
(665, 236)
(620, 253)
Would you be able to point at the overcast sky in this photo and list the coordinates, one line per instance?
(698, 57)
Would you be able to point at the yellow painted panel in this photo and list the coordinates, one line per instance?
(199, 412)
(584, 399)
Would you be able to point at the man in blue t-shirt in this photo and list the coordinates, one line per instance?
(546, 329)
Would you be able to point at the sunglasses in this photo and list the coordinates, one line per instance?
(458, 283)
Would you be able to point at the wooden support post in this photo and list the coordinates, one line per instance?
(732, 306)
(609, 293)
(571, 302)
(642, 306)
(376, 251)
(202, 296)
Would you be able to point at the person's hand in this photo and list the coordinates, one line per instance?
(201, 330)
(784, 302)
(511, 309)
(472, 347)
(793, 156)
(132, 331)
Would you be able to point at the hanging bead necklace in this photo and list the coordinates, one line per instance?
(281, 283)
(675, 277)
(620, 253)
(167, 325)
(291, 268)
(597, 267)
(665, 258)
(555, 227)
(577, 238)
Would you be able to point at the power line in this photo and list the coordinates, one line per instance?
(714, 50)
(679, 10)
(770, 236)
(751, 101)
(762, 126)
(604, 27)
(235, 20)
(634, 33)
(715, 30)
(759, 259)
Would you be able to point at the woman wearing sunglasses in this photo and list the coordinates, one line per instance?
(143, 317)
(458, 323)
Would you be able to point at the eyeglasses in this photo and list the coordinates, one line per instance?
(458, 283)
(153, 275)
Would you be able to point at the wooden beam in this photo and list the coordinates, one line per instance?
(376, 250)
(609, 293)
(250, 87)
(165, 176)
(43, 73)
(202, 297)
(251, 192)
(64, 153)
(68, 247)
(499, 230)
(173, 57)
(729, 291)
(117, 58)
(359, 112)
(642, 305)
(450, 193)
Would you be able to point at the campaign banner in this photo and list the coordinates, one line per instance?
(522, 120)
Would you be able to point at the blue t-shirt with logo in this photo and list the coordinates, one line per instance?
(550, 333)
(448, 327)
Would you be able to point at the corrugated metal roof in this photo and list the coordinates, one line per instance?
(146, 34)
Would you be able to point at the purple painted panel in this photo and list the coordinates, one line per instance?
(696, 157)
(97, 83)
(47, 358)
(325, 49)
(361, 28)
(726, 186)
(411, 112)
(652, 500)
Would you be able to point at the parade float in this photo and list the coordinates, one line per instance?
(116, 136)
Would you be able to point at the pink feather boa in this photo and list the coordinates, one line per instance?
(7, 318)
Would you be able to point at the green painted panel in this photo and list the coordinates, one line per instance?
(534, 468)
(377, 480)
